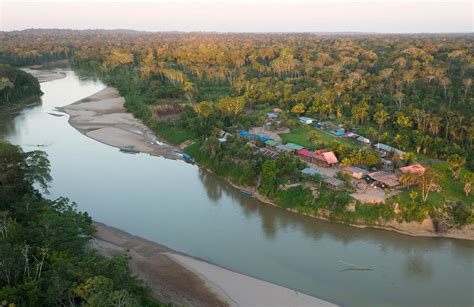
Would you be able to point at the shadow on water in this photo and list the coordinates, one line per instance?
(275, 219)
(418, 266)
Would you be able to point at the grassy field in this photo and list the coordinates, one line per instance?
(451, 190)
(173, 134)
(213, 93)
(299, 135)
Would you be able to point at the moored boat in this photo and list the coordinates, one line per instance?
(188, 158)
(246, 193)
(129, 149)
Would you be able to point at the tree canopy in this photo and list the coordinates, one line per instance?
(415, 86)
(44, 255)
(16, 85)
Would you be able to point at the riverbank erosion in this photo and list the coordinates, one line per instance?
(184, 280)
(103, 117)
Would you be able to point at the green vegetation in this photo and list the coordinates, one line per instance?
(249, 168)
(300, 135)
(413, 92)
(172, 133)
(45, 259)
(213, 93)
(450, 190)
(16, 85)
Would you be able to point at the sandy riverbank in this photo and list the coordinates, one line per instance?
(104, 118)
(45, 75)
(184, 280)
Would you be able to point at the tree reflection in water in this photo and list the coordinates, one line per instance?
(274, 220)
(418, 266)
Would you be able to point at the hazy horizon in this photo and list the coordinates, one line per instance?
(260, 16)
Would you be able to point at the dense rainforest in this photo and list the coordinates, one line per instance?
(413, 92)
(44, 255)
(16, 85)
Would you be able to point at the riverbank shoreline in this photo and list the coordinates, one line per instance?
(103, 118)
(414, 229)
(177, 278)
(44, 75)
(173, 276)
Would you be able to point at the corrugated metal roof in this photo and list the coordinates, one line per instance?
(355, 169)
(245, 133)
(352, 135)
(309, 171)
(283, 147)
(305, 152)
(294, 146)
(333, 181)
(330, 157)
(386, 178)
(271, 142)
(415, 168)
(388, 148)
(262, 137)
(363, 140)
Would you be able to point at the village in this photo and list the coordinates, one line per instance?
(368, 185)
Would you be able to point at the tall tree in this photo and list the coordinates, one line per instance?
(456, 162)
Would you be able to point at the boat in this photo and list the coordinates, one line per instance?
(187, 158)
(246, 193)
(129, 149)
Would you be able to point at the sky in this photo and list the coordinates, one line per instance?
(381, 16)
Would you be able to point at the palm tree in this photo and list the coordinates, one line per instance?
(445, 82)
(435, 125)
(6, 85)
(211, 145)
(468, 178)
(409, 178)
(413, 196)
(298, 109)
(456, 162)
(428, 182)
(398, 97)
(409, 158)
(347, 162)
(313, 137)
(381, 117)
(189, 90)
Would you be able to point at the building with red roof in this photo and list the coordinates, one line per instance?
(415, 169)
(326, 159)
(305, 154)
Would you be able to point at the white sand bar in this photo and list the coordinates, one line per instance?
(240, 290)
(45, 75)
(102, 117)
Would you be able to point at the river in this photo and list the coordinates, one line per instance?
(187, 209)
